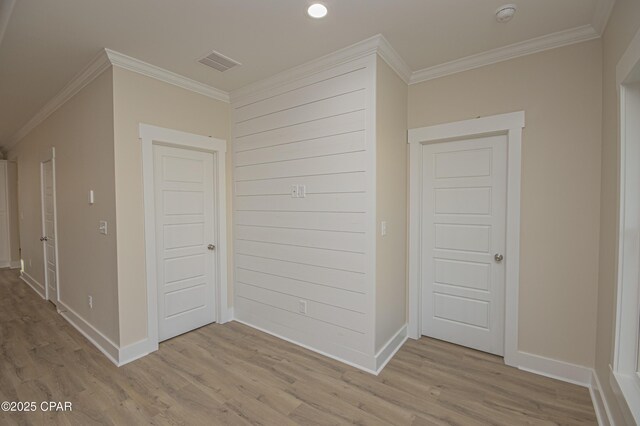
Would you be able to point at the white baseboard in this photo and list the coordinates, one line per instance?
(600, 405)
(390, 348)
(560, 370)
(15, 264)
(328, 355)
(99, 340)
(230, 316)
(35, 285)
(135, 351)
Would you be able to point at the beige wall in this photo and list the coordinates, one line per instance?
(560, 92)
(14, 223)
(391, 202)
(623, 24)
(81, 130)
(140, 99)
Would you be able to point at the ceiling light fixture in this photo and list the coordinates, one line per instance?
(317, 10)
(505, 13)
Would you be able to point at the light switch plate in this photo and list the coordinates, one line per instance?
(302, 306)
(302, 191)
(294, 191)
(383, 228)
(103, 227)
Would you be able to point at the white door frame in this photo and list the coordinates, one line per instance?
(511, 125)
(50, 156)
(627, 340)
(152, 135)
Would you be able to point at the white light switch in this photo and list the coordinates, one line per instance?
(103, 227)
(383, 228)
(302, 191)
(302, 306)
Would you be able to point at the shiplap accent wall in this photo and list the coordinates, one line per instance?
(319, 131)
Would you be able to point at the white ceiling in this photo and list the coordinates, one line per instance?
(47, 42)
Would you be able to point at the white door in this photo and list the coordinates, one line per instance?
(49, 231)
(184, 211)
(463, 239)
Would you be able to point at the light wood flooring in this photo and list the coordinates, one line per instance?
(234, 375)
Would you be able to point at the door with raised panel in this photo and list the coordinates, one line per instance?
(463, 241)
(184, 212)
(49, 231)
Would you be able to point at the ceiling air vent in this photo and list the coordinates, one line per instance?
(218, 61)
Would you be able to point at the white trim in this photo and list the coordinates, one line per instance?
(310, 348)
(386, 353)
(102, 61)
(15, 264)
(99, 340)
(96, 67)
(34, 284)
(602, 14)
(600, 404)
(50, 155)
(133, 352)
(510, 124)
(622, 404)
(528, 47)
(148, 136)
(393, 59)
(626, 338)
(6, 8)
(231, 316)
(144, 68)
(376, 44)
(553, 368)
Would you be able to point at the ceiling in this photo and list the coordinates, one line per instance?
(47, 42)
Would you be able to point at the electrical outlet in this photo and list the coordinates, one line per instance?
(294, 191)
(302, 306)
(90, 302)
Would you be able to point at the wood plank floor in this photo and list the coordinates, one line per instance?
(234, 375)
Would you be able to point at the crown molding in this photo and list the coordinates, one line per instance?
(105, 59)
(6, 8)
(534, 45)
(394, 60)
(96, 67)
(347, 54)
(132, 64)
(602, 14)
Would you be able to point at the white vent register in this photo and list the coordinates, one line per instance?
(218, 61)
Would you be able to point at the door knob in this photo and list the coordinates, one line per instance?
(44, 239)
(498, 257)
(211, 247)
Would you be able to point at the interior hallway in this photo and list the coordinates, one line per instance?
(233, 374)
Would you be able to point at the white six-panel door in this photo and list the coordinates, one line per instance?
(49, 231)
(184, 209)
(463, 237)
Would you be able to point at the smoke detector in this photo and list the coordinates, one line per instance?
(505, 13)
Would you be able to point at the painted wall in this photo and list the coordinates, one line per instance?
(391, 203)
(623, 25)
(317, 249)
(140, 99)
(14, 223)
(560, 91)
(81, 130)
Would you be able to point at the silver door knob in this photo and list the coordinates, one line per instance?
(498, 257)
(211, 247)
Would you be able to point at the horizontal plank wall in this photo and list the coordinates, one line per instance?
(315, 131)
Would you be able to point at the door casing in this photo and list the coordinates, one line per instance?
(50, 156)
(149, 136)
(511, 125)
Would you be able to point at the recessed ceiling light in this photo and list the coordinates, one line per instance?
(317, 10)
(505, 13)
